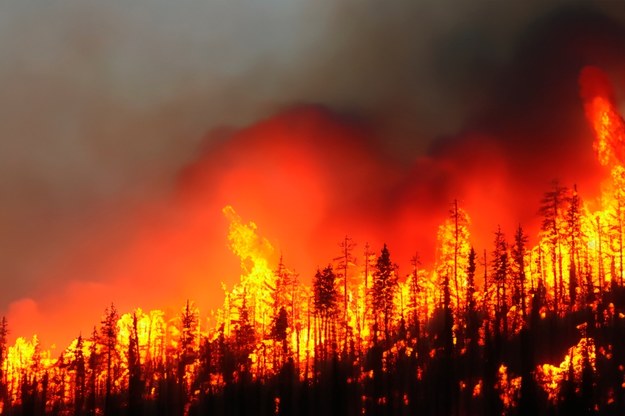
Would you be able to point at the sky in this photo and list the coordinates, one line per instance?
(124, 123)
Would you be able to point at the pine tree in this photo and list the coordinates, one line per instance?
(384, 288)
(453, 251)
(279, 328)
(282, 295)
(552, 206)
(135, 382)
(518, 263)
(618, 177)
(189, 328)
(283, 298)
(500, 266)
(94, 369)
(346, 258)
(245, 339)
(78, 366)
(415, 289)
(4, 332)
(109, 343)
(471, 312)
(326, 296)
(574, 234)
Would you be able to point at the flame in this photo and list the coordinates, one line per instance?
(603, 116)
(550, 377)
(271, 320)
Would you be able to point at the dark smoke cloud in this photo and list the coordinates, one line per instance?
(103, 104)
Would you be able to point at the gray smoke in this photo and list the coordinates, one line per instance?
(102, 103)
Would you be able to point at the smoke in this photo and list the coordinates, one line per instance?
(418, 103)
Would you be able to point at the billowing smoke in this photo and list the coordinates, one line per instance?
(340, 118)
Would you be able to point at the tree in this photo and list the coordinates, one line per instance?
(415, 289)
(245, 339)
(282, 296)
(384, 288)
(472, 319)
(135, 383)
(78, 365)
(4, 332)
(518, 267)
(500, 266)
(189, 328)
(574, 235)
(346, 245)
(453, 251)
(551, 208)
(618, 177)
(326, 295)
(368, 263)
(109, 342)
(94, 368)
(279, 328)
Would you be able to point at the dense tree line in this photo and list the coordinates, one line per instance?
(511, 330)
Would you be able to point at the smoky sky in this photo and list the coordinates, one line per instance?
(103, 104)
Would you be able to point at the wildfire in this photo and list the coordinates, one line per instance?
(363, 325)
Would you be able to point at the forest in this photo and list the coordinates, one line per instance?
(513, 329)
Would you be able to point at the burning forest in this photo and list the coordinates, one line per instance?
(316, 261)
(514, 328)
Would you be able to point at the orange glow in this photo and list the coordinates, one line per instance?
(361, 310)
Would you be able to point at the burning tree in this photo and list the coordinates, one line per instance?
(453, 252)
(326, 297)
(384, 289)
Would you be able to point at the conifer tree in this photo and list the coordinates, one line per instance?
(500, 265)
(384, 288)
(109, 343)
(78, 365)
(326, 296)
(551, 208)
(518, 263)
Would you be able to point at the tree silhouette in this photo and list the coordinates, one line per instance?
(415, 290)
(279, 329)
(552, 205)
(346, 245)
(109, 343)
(518, 253)
(384, 288)
(500, 266)
(78, 366)
(245, 338)
(4, 332)
(135, 382)
(574, 235)
(326, 296)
